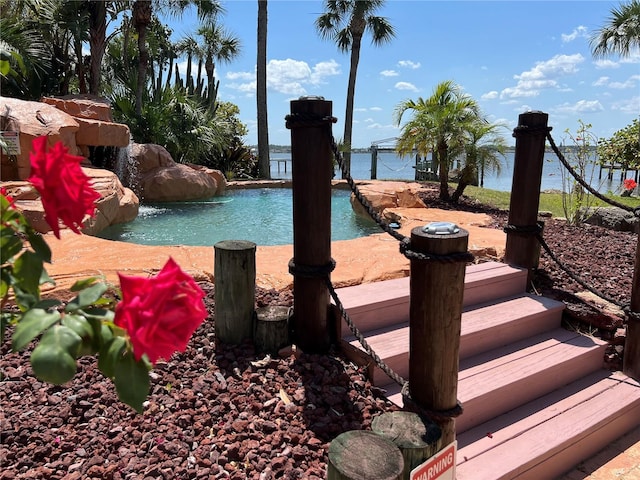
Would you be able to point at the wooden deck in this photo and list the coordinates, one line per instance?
(536, 399)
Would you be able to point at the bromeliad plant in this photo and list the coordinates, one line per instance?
(155, 317)
(628, 186)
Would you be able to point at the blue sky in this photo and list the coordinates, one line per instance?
(511, 56)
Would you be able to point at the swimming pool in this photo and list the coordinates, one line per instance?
(260, 215)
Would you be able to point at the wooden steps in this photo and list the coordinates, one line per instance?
(536, 400)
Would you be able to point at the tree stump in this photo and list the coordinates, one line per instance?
(362, 455)
(271, 329)
(235, 289)
(416, 438)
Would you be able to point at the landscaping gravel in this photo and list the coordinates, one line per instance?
(221, 411)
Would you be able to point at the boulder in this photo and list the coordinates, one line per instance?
(34, 119)
(116, 204)
(382, 195)
(97, 133)
(160, 179)
(83, 106)
(217, 175)
(613, 218)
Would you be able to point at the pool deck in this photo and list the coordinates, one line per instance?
(361, 260)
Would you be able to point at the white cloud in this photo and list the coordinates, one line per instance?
(290, 77)
(489, 95)
(241, 76)
(581, 106)
(601, 82)
(389, 73)
(376, 109)
(359, 109)
(629, 83)
(368, 120)
(406, 86)
(325, 69)
(544, 75)
(631, 106)
(580, 31)
(379, 126)
(602, 64)
(409, 64)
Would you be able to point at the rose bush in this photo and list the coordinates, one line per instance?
(156, 316)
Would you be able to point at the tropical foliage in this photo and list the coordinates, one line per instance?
(449, 125)
(345, 22)
(43, 53)
(623, 148)
(620, 35)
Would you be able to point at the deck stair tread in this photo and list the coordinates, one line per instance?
(536, 398)
(503, 378)
(373, 305)
(484, 326)
(565, 426)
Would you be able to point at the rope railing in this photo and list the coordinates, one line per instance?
(537, 232)
(311, 120)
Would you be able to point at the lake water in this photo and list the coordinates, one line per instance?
(392, 167)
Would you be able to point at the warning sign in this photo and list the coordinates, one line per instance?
(12, 142)
(442, 466)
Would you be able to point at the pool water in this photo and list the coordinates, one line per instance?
(262, 215)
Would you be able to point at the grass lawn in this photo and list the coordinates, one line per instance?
(549, 202)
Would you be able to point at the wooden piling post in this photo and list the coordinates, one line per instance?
(417, 439)
(235, 289)
(374, 162)
(435, 312)
(312, 170)
(631, 362)
(363, 455)
(271, 328)
(522, 249)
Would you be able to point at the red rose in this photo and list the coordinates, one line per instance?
(64, 189)
(160, 313)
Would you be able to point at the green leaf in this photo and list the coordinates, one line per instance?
(39, 245)
(47, 303)
(27, 271)
(87, 297)
(109, 356)
(84, 283)
(132, 381)
(53, 360)
(33, 323)
(10, 244)
(5, 67)
(83, 328)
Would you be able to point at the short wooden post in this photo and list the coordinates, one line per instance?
(522, 248)
(631, 361)
(312, 170)
(271, 329)
(235, 289)
(363, 455)
(435, 312)
(417, 439)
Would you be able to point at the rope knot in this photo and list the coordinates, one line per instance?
(311, 271)
(308, 120)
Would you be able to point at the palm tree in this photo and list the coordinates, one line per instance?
(484, 147)
(438, 125)
(621, 34)
(345, 22)
(261, 93)
(220, 46)
(142, 14)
